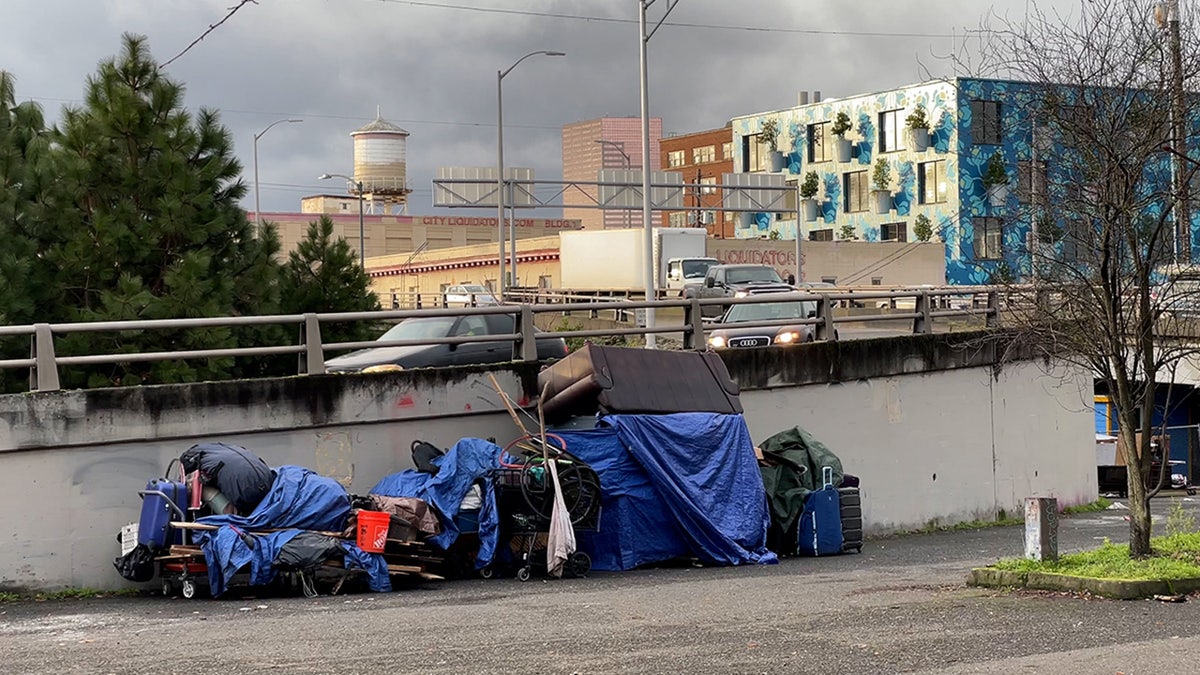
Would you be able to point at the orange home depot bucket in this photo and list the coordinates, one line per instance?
(373, 530)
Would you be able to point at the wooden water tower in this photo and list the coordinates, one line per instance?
(380, 164)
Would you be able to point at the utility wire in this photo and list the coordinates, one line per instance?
(673, 24)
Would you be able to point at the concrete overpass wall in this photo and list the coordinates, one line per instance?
(898, 411)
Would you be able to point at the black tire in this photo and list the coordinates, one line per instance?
(851, 524)
(523, 574)
(487, 572)
(188, 589)
(850, 512)
(168, 588)
(580, 564)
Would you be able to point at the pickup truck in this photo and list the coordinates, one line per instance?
(735, 281)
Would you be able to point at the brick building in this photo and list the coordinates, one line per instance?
(583, 155)
(702, 158)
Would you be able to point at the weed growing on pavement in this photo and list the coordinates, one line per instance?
(1098, 505)
(1180, 521)
(1175, 557)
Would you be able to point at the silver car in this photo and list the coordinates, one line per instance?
(470, 295)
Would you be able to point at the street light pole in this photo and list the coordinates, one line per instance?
(647, 223)
(628, 165)
(362, 239)
(257, 212)
(500, 182)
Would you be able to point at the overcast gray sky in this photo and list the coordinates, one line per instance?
(431, 66)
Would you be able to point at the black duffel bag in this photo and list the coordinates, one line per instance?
(240, 475)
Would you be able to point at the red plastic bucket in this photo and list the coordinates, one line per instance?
(373, 530)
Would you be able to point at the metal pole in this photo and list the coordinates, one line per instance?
(257, 211)
(1183, 223)
(500, 176)
(362, 233)
(512, 239)
(799, 208)
(647, 223)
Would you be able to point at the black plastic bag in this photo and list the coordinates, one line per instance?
(137, 565)
(308, 550)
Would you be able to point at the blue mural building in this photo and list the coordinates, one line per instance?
(936, 179)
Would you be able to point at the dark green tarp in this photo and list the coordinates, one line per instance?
(791, 468)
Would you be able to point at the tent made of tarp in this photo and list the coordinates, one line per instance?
(680, 485)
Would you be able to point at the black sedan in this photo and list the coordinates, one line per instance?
(438, 355)
(727, 334)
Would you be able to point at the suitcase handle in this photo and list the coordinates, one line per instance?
(827, 476)
(170, 502)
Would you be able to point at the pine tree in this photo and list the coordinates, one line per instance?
(324, 275)
(144, 223)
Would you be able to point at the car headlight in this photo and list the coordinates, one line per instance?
(740, 294)
(787, 337)
(716, 342)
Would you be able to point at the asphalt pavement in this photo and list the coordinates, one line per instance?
(901, 606)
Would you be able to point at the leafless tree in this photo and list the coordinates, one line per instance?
(1100, 194)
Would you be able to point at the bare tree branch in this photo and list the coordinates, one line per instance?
(232, 10)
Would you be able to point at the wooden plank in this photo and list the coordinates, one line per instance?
(405, 569)
(430, 577)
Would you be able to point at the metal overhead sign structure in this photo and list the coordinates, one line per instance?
(621, 189)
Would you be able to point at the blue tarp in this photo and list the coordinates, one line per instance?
(469, 460)
(299, 500)
(676, 485)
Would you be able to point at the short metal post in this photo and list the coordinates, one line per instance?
(528, 335)
(1041, 528)
(825, 329)
(693, 338)
(923, 323)
(993, 309)
(312, 361)
(44, 376)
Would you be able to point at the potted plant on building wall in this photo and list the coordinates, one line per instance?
(847, 233)
(842, 146)
(918, 128)
(808, 196)
(922, 227)
(882, 194)
(995, 180)
(769, 136)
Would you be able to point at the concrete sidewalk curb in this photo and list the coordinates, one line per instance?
(989, 577)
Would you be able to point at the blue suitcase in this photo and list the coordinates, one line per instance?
(162, 502)
(820, 530)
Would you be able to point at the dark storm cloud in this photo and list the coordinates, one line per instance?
(433, 70)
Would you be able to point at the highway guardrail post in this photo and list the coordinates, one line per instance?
(45, 370)
(924, 322)
(693, 337)
(993, 309)
(528, 335)
(312, 361)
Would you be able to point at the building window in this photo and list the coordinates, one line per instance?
(704, 155)
(890, 124)
(676, 158)
(931, 182)
(678, 219)
(819, 146)
(821, 235)
(544, 281)
(1024, 174)
(708, 186)
(829, 280)
(754, 154)
(988, 238)
(727, 150)
(856, 188)
(893, 232)
(985, 122)
(876, 281)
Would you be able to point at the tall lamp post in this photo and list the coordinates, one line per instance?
(620, 147)
(257, 212)
(500, 184)
(362, 239)
(647, 223)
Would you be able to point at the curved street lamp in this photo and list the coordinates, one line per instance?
(620, 147)
(257, 212)
(500, 185)
(362, 240)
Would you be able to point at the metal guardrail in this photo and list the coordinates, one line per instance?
(928, 306)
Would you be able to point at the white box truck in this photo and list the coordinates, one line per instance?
(613, 260)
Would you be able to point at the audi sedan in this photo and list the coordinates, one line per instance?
(728, 335)
(438, 355)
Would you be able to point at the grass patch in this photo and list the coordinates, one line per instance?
(9, 597)
(1098, 505)
(1175, 557)
(1002, 520)
(66, 594)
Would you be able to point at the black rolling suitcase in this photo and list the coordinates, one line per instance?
(851, 502)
